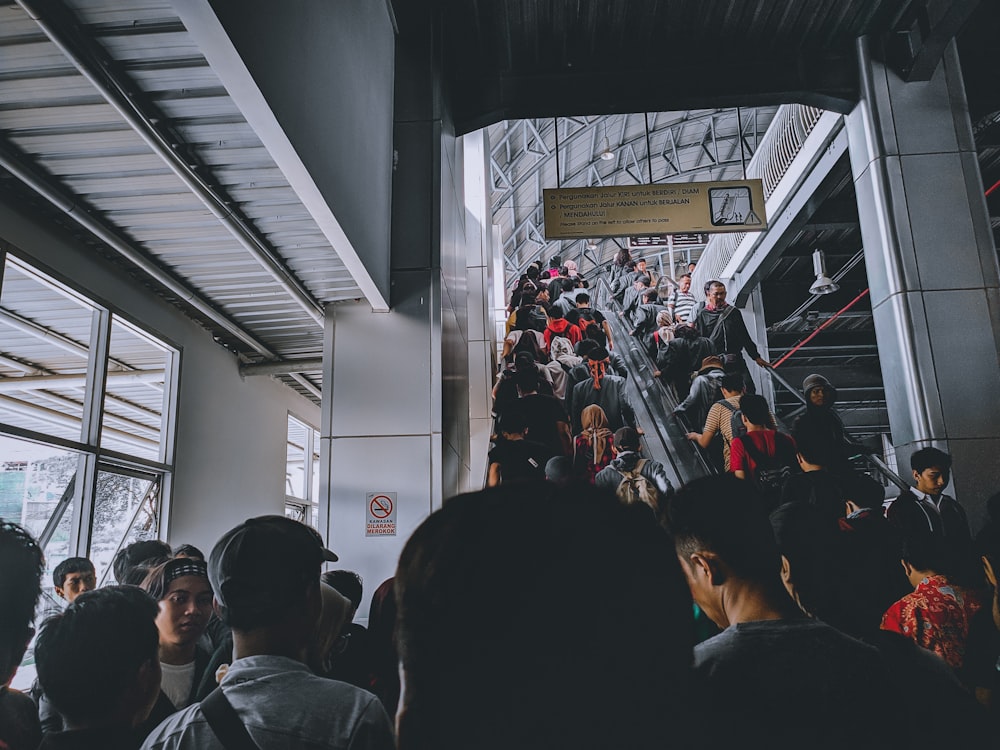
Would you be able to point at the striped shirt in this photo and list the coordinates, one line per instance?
(681, 305)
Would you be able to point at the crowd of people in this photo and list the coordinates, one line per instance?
(579, 601)
(932, 582)
(250, 647)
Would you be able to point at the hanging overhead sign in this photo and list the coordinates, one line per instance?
(623, 210)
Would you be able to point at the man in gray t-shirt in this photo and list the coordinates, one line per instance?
(772, 677)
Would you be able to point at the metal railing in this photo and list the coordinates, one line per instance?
(670, 429)
(778, 148)
(862, 458)
(874, 464)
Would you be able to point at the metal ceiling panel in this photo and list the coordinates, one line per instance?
(680, 147)
(55, 116)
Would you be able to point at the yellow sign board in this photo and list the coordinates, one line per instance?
(668, 208)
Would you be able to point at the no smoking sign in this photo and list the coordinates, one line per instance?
(380, 514)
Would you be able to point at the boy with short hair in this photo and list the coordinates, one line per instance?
(74, 576)
(926, 506)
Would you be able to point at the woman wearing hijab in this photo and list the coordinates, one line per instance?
(592, 447)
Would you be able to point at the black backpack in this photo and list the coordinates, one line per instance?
(771, 472)
(735, 420)
(586, 319)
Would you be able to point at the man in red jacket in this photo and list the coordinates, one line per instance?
(559, 326)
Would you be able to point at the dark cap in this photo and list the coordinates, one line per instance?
(264, 563)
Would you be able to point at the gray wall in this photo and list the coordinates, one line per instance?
(396, 409)
(326, 70)
(231, 432)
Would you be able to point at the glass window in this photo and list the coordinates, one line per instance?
(56, 427)
(36, 490)
(45, 332)
(135, 393)
(125, 510)
(302, 469)
(296, 512)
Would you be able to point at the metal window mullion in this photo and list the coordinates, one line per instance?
(307, 478)
(3, 266)
(93, 406)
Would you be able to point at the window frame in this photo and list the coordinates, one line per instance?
(310, 470)
(92, 458)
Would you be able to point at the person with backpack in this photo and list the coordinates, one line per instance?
(763, 456)
(724, 418)
(705, 391)
(530, 314)
(724, 326)
(515, 457)
(584, 316)
(604, 389)
(680, 357)
(635, 479)
(559, 326)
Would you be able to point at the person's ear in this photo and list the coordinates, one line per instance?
(851, 506)
(216, 607)
(798, 457)
(786, 571)
(907, 568)
(708, 567)
(991, 576)
(60, 593)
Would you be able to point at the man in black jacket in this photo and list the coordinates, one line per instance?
(724, 326)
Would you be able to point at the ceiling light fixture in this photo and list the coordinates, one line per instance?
(591, 244)
(606, 153)
(823, 284)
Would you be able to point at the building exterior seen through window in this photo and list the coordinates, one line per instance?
(87, 403)
(302, 472)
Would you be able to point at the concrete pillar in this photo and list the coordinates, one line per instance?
(932, 268)
(396, 383)
(481, 291)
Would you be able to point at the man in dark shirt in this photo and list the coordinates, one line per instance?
(772, 674)
(544, 416)
(724, 326)
(515, 457)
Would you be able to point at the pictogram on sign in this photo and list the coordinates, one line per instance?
(380, 511)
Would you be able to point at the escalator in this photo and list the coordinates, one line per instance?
(664, 438)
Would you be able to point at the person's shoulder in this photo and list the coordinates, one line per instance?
(608, 476)
(171, 731)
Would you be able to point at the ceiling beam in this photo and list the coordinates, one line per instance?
(830, 82)
(84, 215)
(129, 101)
(918, 39)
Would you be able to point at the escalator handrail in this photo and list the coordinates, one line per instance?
(875, 462)
(608, 302)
